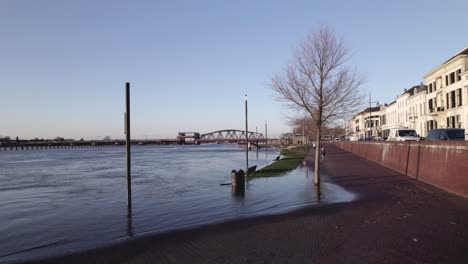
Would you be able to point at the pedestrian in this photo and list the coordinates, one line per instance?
(313, 145)
(324, 151)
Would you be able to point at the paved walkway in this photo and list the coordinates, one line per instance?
(396, 219)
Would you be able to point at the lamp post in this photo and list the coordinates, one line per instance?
(370, 115)
(266, 135)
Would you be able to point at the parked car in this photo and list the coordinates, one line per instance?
(446, 134)
(403, 134)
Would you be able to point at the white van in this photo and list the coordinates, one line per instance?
(403, 134)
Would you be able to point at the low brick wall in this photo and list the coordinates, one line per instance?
(443, 164)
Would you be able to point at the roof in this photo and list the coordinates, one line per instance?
(462, 52)
(419, 88)
(372, 109)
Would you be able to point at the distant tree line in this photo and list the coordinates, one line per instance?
(305, 125)
(56, 139)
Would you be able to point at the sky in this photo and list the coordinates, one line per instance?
(64, 64)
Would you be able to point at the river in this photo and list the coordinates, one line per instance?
(65, 200)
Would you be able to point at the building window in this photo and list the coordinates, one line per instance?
(446, 80)
(458, 121)
(432, 124)
(447, 97)
(452, 98)
(459, 75)
(459, 97)
(430, 88)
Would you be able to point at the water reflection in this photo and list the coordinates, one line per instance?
(306, 170)
(318, 193)
(129, 221)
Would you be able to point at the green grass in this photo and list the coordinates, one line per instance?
(292, 159)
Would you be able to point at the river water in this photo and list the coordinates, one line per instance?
(66, 200)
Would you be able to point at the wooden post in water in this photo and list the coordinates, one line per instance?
(238, 182)
(127, 140)
(246, 140)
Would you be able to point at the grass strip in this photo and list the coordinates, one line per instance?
(292, 158)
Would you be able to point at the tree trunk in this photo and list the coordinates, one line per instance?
(318, 145)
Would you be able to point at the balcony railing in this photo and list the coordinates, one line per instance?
(436, 110)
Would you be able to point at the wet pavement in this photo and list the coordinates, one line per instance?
(393, 219)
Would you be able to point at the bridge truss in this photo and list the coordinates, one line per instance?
(231, 135)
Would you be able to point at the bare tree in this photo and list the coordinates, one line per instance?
(318, 82)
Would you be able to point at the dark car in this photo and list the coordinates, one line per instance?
(446, 134)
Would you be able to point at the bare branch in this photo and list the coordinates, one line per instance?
(318, 81)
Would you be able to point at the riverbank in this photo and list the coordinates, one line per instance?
(292, 158)
(395, 220)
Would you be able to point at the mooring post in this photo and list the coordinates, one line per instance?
(240, 179)
(127, 140)
(238, 182)
(234, 178)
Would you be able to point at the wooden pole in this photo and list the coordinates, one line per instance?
(246, 140)
(127, 140)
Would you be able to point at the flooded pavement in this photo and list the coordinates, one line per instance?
(56, 201)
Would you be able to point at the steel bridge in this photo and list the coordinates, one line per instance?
(220, 136)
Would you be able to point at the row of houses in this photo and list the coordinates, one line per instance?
(440, 103)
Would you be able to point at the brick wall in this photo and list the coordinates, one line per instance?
(440, 163)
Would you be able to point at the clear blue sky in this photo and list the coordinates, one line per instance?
(64, 64)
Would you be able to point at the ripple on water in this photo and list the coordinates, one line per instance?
(74, 199)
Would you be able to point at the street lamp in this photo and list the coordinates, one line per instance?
(370, 115)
